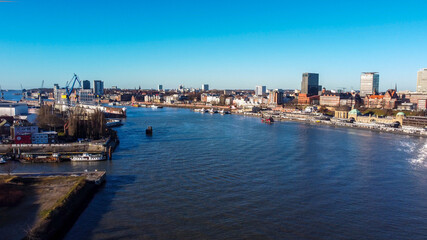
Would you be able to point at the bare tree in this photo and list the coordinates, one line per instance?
(9, 167)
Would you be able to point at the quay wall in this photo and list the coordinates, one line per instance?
(52, 148)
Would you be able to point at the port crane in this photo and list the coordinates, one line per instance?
(69, 87)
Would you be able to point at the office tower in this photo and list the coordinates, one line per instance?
(98, 87)
(260, 90)
(310, 83)
(205, 87)
(422, 80)
(86, 84)
(369, 83)
(160, 87)
(275, 96)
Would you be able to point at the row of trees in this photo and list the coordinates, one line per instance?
(86, 125)
(78, 123)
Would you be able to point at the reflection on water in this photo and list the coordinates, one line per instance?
(232, 177)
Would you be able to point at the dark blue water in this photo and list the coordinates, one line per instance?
(204, 176)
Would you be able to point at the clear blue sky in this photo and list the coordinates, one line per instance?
(228, 44)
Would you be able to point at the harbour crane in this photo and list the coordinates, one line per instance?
(69, 88)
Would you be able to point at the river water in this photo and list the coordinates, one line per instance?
(203, 176)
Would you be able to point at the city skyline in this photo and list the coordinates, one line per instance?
(228, 45)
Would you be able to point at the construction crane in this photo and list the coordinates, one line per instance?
(69, 88)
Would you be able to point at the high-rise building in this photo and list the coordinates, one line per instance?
(260, 90)
(422, 80)
(98, 87)
(369, 83)
(275, 96)
(160, 87)
(86, 84)
(205, 87)
(310, 83)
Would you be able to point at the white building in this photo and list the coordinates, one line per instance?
(369, 83)
(13, 109)
(260, 90)
(86, 96)
(422, 80)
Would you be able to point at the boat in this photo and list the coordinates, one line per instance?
(267, 120)
(154, 107)
(114, 123)
(2, 160)
(86, 157)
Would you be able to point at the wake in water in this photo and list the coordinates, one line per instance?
(420, 150)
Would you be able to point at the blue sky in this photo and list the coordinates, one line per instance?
(228, 44)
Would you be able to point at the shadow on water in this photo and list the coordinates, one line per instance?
(17, 220)
(91, 218)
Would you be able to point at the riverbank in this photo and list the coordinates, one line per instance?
(44, 206)
(403, 130)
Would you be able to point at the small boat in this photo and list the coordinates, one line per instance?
(86, 157)
(267, 120)
(154, 107)
(114, 123)
(2, 160)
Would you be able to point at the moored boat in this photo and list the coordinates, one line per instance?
(86, 157)
(267, 120)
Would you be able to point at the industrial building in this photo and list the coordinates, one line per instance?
(13, 109)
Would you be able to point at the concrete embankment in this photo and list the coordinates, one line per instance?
(50, 205)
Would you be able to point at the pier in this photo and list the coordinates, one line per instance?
(34, 211)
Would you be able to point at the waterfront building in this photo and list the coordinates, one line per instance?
(98, 88)
(369, 83)
(205, 87)
(389, 100)
(44, 138)
(342, 112)
(304, 99)
(86, 84)
(13, 109)
(160, 87)
(329, 98)
(260, 90)
(310, 84)
(422, 80)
